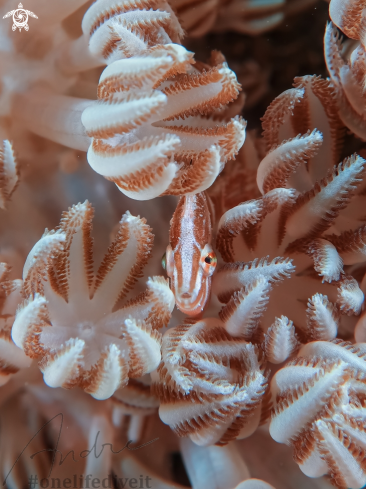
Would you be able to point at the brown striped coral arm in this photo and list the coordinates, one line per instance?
(307, 397)
(181, 60)
(233, 222)
(120, 113)
(144, 347)
(344, 459)
(351, 245)
(349, 16)
(154, 306)
(233, 276)
(143, 72)
(198, 174)
(317, 208)
(327, 261)
(276, 122)
(128, 28)
(123, 262)
(348, 80)
(211, 338)
(29, 319)
(318, 108)
(62, 366)
(280, 341)
(8, 172)
(141, 170)
(122, 35)
(322, 318)
(277, 166)
(350, 297)
(199, 93)
(242, 313)
(108, 374)
(298, 370)
(332, 52)
(72, 271)
(41, 256)
(354, 356)
(216, 376)
(197, 134)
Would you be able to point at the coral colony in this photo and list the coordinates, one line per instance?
(119, 368)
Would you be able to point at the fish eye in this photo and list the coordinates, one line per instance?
(211, 259)
(163, 261)
(208, 260)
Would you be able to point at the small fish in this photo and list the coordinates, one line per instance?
(189, 259)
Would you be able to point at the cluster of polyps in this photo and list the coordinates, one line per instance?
(12, 358)
(303, 197)
(319, 409)
(211, 384)
(149, 132)
(159, 126)
(347, 67)
(153, 128)
(69, 322)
